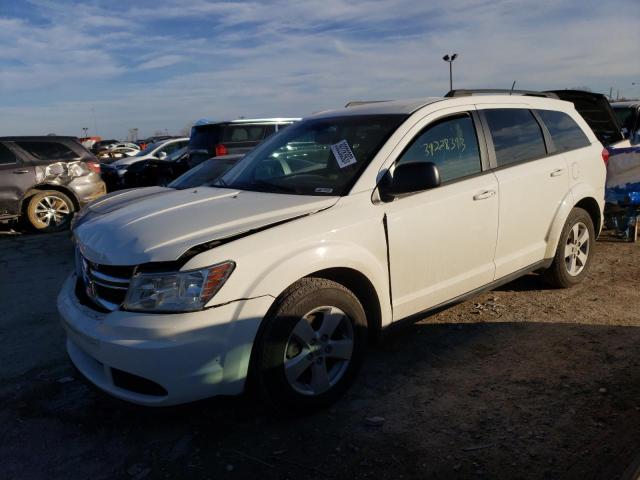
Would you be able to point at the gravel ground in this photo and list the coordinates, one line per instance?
(521, 382)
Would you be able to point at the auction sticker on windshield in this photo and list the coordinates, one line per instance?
(344, 155)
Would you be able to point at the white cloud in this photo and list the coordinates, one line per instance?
(290, 58)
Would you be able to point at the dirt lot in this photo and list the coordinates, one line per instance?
(523, 382)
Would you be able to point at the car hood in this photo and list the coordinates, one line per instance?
(158, 224)
(597, 112)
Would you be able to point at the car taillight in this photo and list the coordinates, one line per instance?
(605, 156)
(221, 150)
(94, 167)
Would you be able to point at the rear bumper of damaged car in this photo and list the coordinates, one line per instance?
(162, 359)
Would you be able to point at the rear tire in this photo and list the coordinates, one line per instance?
(312, 346)
(575, 251)
(50, 211)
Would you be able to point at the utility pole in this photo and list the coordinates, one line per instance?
(449, 60)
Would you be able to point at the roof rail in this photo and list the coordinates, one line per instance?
(488, 91)
(363, 102)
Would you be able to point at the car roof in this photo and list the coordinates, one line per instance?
(208, 121)
(379, 107)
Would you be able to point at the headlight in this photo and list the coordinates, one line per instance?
(176, 291)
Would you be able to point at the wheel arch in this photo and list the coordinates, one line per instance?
(593, 209)
(44, 187)
(581, 196)
(362, 288)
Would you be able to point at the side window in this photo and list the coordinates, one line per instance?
(451, 144)
(565, 132)
(46, 151)
(516, 135)
(6, 156)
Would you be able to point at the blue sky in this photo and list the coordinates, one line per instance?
(162, 64)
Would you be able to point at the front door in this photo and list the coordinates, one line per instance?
(442, 241)
(16, 177)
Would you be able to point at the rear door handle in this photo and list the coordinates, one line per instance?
(484, 195)
(557, 172)
(20, 171)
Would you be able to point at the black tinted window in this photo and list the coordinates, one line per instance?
(48, 150)
(516, 135)
(566, 133)
(451, 144)
(6, 155)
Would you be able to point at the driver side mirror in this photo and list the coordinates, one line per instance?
(162, 155)
(410, 177)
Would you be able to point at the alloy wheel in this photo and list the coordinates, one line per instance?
(576, 250)
(319, 350)
(52, 210)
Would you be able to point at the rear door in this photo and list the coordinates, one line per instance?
(16, 177)
(532, 185)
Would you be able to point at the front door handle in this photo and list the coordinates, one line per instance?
(484, 195)
(557, 172)
(19, 172)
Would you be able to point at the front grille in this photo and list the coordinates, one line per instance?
(104, 285)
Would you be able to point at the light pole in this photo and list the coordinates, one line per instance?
(449, 60)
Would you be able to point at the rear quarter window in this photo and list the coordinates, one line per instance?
(565, 132)
(516, 135)
(48, 151)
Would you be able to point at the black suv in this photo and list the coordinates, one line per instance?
(46, 179)
(214, 139)
(223, 142)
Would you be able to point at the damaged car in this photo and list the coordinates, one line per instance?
(46, 180)
(276, 274)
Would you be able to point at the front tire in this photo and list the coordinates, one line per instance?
(312, 346)
(575, 251)
(50, 211)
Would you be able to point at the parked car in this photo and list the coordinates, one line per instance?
(97, 147)
(46, 180)
(163, 172)
(212, 139)
(116, 153)
(155, 154)
(342, 225)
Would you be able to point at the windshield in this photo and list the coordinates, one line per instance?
(314, 157)
(149, 149)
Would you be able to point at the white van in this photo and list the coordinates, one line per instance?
(329, 232)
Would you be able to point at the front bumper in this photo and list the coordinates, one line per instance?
(186, 356)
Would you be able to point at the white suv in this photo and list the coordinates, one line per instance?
(327, 233)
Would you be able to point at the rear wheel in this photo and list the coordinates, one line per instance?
(50, 211)
(573, 255)
(312, 346)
